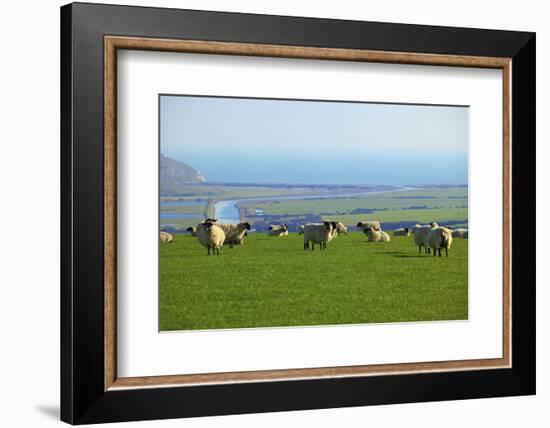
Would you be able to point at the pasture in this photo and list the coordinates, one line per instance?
(273, 282)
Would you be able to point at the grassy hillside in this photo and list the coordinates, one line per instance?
(272, 282)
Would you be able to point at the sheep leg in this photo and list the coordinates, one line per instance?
(208, 251)
(218, 250)
(439, 250)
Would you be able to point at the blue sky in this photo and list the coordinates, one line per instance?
(280, 141)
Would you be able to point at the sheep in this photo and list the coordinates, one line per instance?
(374, 235)
(420, 233)
(440, 237)
(234, 233)
(341, 228)
(301, 229)
(166, 237)
(192, 230)
(318, 233)
(402, 231)
(278, 230)
(374, 224)
(210, 236)
(459, 233)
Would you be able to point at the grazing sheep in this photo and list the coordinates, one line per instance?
(166, 237)
(376, 235)
(440, 237)
(374, 224)
(420, 233)
(234, 233)
(192, 230)
(402, 231)
(210, 236)
(318, 233)
(459, 233)
(278, 230)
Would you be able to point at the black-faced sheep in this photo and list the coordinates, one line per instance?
(318, 233)
(402, 231)
(374, 224)
(440, 237)
(278, 230)
(234, 233)
(192, 231)
(210, 236)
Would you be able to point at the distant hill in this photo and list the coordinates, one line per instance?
(174, 174)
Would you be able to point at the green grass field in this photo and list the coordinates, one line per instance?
(271, 282)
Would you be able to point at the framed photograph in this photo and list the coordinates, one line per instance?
(265, 213)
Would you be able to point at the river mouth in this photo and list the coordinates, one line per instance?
(227, 212)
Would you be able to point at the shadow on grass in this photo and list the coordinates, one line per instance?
(405, 255)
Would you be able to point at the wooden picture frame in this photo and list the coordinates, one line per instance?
(91, 390)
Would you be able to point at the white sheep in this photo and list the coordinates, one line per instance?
(402, 231)
(374, 224)
(318, 233)
(376, 235)
(234, 233)
(210, 236)
(278, 230)
(420, 233)
(192, 231)
(440, 237)
(341, 228)
(166, 237)
(459, 233)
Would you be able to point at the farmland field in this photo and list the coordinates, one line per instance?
(270, 282)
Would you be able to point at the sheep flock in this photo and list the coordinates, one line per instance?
(432, 238)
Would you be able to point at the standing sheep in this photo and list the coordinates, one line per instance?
(210, 236)
(420, 234)
(166, 237)
(318, 233)
(301, 229)
(402, 231)
(278, 230)
(192, 231)
(440, 237)
(376, 235)
(234, 233)
(374, 224)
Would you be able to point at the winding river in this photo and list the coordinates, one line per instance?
(227, 211)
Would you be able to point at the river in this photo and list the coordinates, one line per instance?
(227, 211)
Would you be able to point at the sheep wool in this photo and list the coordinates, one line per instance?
(166, 237)
(459, 233)
(420, 234)
(376, 235)
(210, 236)
(374, 224)
(440, 237)
(318, 233)
(402, 231)
(278, 230)
(192, 231)
(234, 233)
